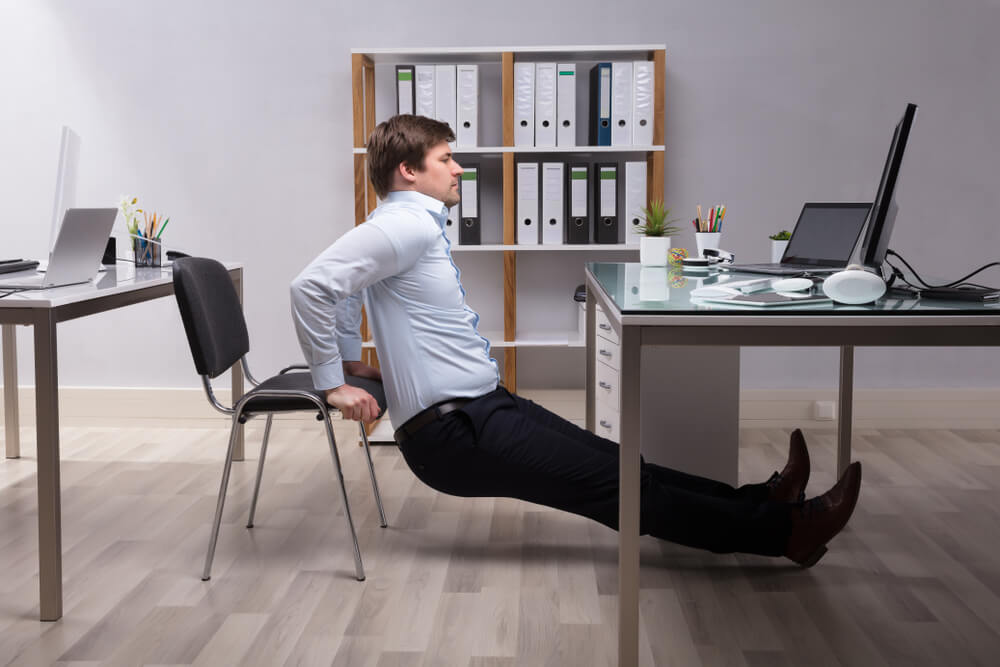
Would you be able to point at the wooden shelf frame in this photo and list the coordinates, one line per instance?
(363, 63)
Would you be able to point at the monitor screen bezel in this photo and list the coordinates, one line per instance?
(882, 216)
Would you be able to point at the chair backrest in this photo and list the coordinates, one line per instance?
(212, 315)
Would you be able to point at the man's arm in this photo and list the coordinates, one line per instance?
(325, 315)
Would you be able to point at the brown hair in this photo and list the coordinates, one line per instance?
(403, 138)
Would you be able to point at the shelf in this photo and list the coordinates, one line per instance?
(574, 150)
(420, 55)
(546, 248)
(542, 339)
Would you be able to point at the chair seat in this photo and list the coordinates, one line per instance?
(303, 382)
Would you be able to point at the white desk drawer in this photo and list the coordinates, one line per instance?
(608, 352)
(606, 423)
(604, 328)
(607, 390)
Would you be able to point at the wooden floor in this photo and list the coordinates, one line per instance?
(914, 580)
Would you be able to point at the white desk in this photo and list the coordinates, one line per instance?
(43, 310)
(672, 323)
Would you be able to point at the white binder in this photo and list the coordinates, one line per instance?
(545, 104)
(635, 199)
(566, 104)
(468, 106)
(451, 225)
(524, 104)
(621, 103)
(553, 210)
(642, 107)
(527, 203)
(404, 88)
(425, 91)
(445, 107)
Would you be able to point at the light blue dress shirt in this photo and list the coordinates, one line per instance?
(400, 262)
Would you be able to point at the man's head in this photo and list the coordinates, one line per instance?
(412, 153)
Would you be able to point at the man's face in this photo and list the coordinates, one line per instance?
(440, 176)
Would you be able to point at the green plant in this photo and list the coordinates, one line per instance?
(783, 235)
(656, 220)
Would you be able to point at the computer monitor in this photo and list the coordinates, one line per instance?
(883, 213)
(69, 161)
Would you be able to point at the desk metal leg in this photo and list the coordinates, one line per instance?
(11, 420)
(591, 341)
(49, 503)
(628, 501)
(236, 373)
(845, 408)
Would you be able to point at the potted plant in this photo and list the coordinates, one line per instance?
(779, 242)
(655, 242)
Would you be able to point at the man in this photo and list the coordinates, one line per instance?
(464, 435)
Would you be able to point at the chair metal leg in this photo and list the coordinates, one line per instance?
(260, 470)
(371, 470)
(358, 567)
(233, 433)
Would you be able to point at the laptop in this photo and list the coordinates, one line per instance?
(76, 255)
(822, 241)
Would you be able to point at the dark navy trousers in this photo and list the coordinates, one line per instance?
(503, 445)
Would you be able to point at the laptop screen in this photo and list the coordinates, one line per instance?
(826, 233)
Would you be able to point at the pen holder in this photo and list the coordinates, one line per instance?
(707, 240)
(147, 253)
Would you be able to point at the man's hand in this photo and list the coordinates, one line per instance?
(362, 370)
(354, 403)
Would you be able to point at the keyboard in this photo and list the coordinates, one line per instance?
(14, 265)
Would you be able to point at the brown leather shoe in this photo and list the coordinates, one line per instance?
(789, 485)
(815, 522)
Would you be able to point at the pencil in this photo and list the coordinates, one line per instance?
(700, 223)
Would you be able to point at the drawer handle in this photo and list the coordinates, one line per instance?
(604, 385)
(604, 353)
(605, 424)
(606, 327)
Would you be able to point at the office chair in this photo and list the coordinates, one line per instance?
(217, 334)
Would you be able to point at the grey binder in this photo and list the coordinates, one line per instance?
(470, 230)
(578, 204)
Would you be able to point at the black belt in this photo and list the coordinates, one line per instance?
(425, 417)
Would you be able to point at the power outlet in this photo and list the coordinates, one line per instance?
(824, 411)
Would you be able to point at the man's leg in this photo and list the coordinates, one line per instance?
(757, 493)
(492, 448)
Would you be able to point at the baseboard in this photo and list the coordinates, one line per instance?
(767, 408)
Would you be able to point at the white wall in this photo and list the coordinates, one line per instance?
(234, 118)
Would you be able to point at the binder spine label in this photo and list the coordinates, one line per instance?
(609, 181)
(470, 194)
(578, 192)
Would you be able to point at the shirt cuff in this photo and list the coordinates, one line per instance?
(327, 376)
(350, 348)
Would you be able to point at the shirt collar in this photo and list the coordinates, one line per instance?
(434, 206)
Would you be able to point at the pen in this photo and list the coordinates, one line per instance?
(701, 224)
(162, 227)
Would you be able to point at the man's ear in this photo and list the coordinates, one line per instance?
(407, 173)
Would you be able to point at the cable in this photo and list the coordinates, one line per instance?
(955, 283)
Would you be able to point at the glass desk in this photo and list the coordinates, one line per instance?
(43, 310)
(651, 330)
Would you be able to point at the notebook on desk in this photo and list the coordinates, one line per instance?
(822, 241)
(76, 255)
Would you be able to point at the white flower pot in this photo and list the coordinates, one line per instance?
(653, 250)
(777, 250)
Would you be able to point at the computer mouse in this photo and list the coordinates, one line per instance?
(713, 291)
(791, 284)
